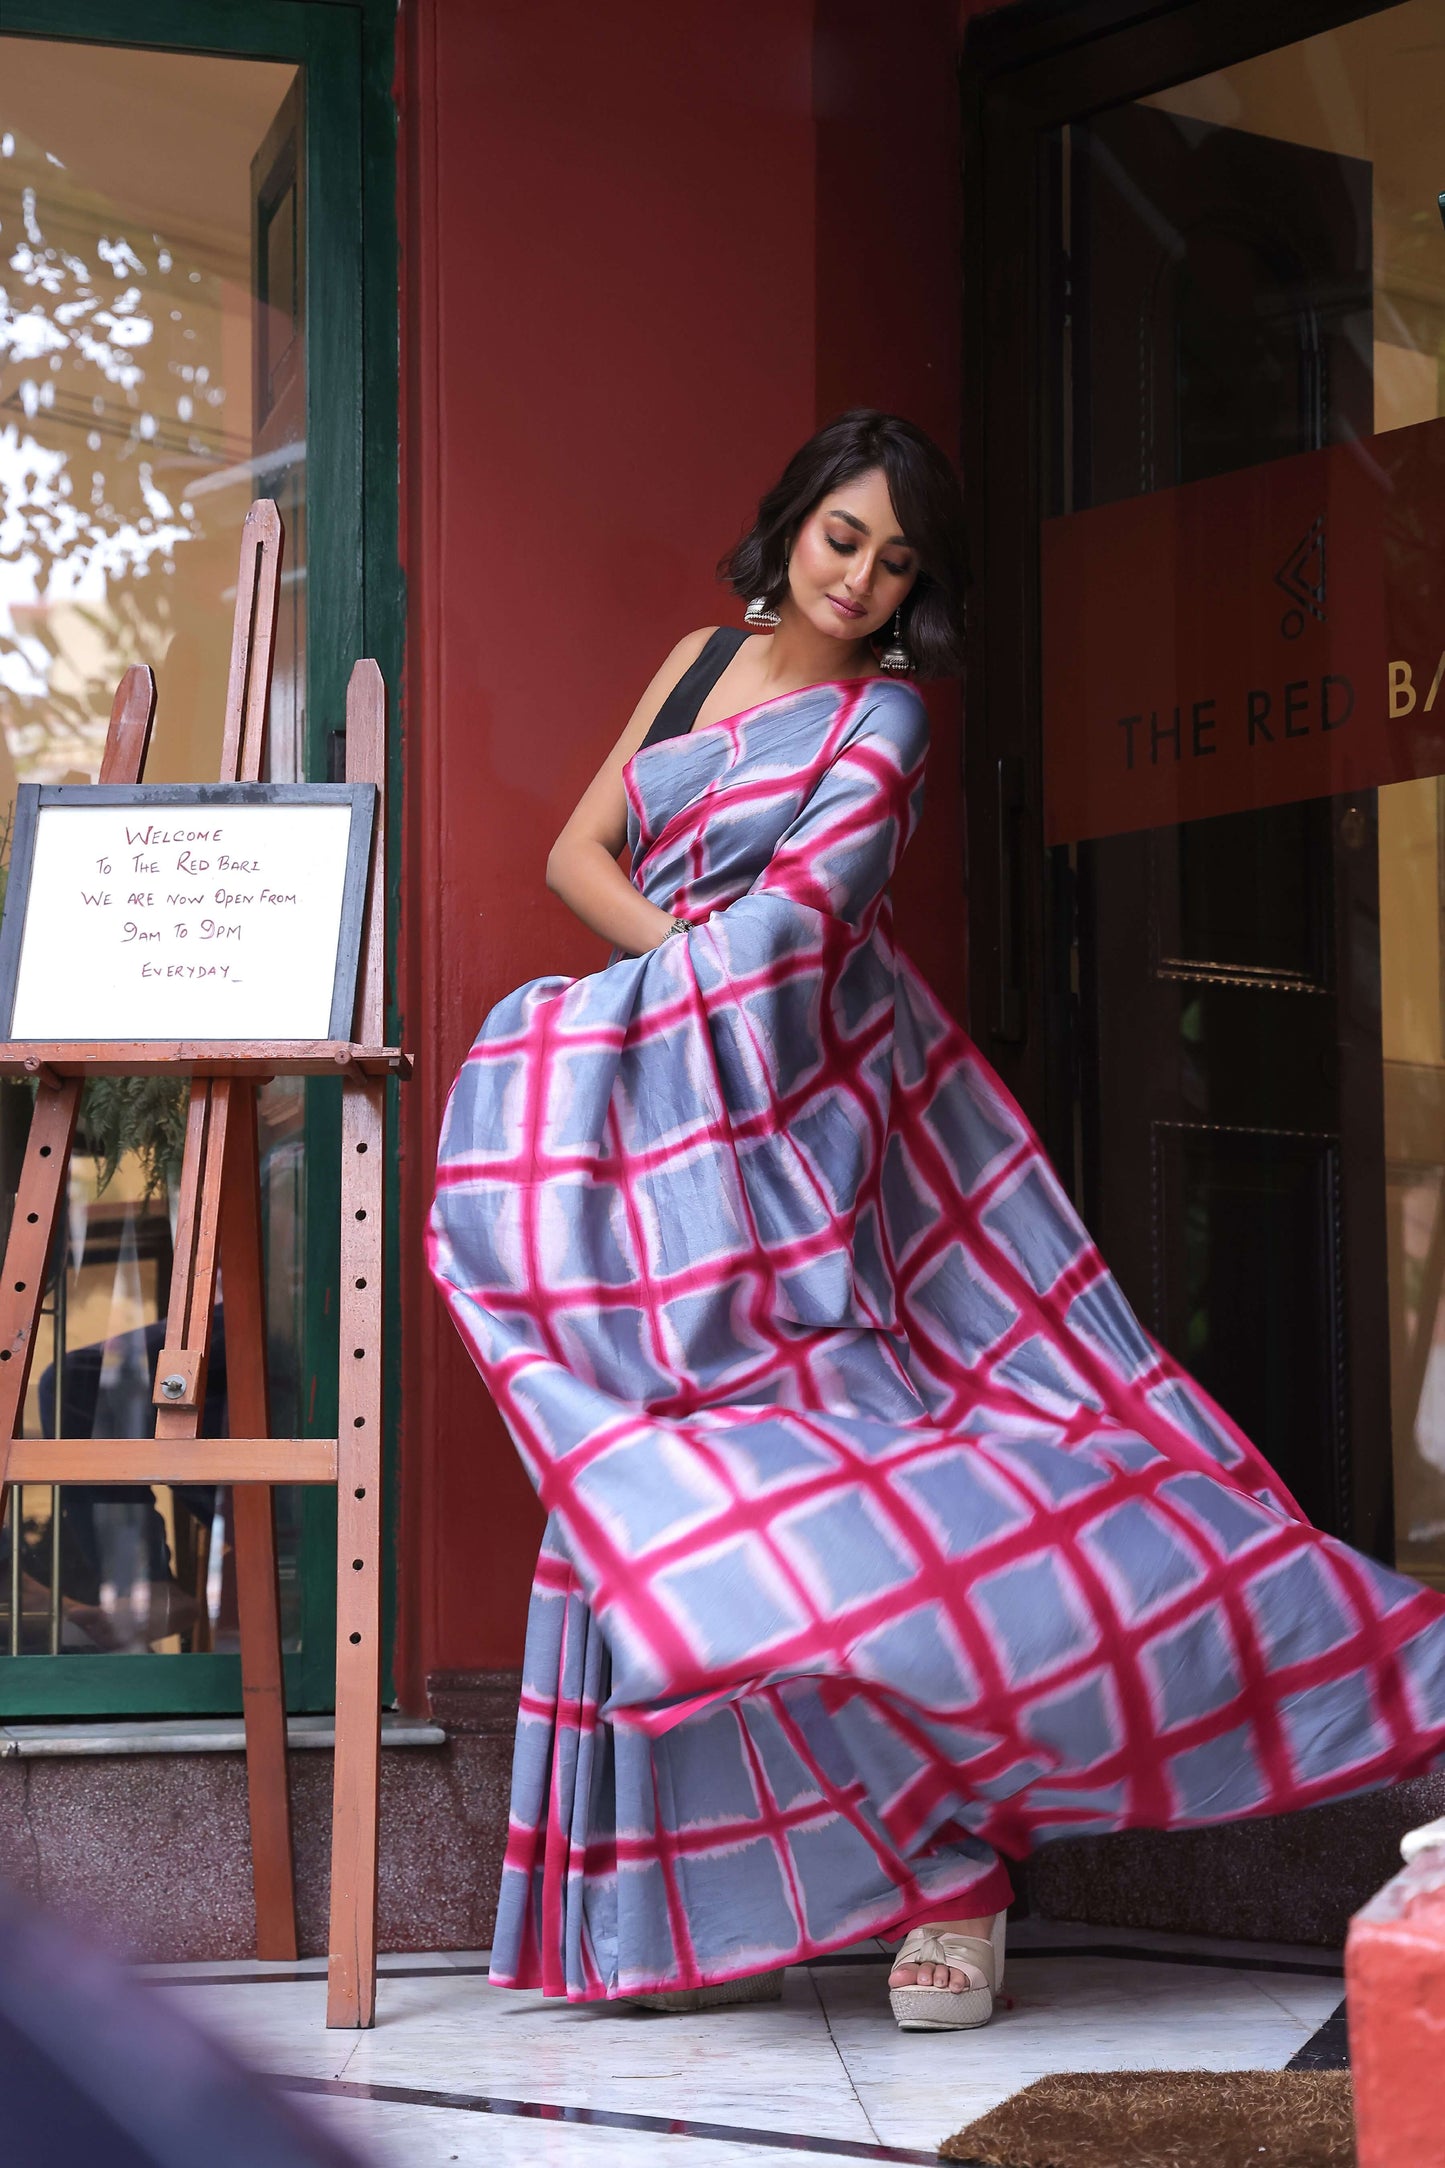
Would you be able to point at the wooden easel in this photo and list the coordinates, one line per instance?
(219, 1226)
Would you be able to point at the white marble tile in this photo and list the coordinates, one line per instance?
(1067, 2014)
(390, 2135)
(273, 2025)
(826, 2062)
(772, 2065)
(1117, 1996)
(1311, 2001)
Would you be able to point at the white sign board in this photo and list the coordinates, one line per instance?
(219, 912)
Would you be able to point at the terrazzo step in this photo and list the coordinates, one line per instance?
(1297, 1878)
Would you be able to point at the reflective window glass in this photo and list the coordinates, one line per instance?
(1251, 266)
(152, 382)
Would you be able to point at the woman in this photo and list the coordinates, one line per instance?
(883, 1540)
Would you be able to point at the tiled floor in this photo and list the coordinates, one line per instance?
(458, 2071)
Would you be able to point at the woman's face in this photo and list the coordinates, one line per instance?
(851, 565)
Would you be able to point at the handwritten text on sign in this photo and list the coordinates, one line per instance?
(182, 922)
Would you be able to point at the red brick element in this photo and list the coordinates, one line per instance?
(1395, 1982)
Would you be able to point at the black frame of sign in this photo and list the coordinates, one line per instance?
(31, 799)
(1027, 70)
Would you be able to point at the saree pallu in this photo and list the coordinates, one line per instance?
(883, 1541)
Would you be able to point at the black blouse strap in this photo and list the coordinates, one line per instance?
(679, 711)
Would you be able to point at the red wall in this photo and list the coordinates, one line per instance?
(886, 254)
(645, 249)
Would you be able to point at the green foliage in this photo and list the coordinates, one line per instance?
(141, 1114)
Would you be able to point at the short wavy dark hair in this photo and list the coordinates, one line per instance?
(927, 498)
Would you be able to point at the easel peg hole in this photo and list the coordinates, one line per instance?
(356, 1565)
(361, 1493)
(31, 1218)
(4, 1354)
(45, 1151)
(361, 1147)
(358, 1352)
(360, 1283)
(361, 1215)
(355, 1639)
(358, 1422)
(19, 1287)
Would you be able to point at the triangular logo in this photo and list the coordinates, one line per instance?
(1302, 576)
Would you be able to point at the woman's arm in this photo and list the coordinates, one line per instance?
(582, 865)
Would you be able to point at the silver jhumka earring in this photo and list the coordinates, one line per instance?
(759, 617)
(896, 658)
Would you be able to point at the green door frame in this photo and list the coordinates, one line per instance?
(354, 607)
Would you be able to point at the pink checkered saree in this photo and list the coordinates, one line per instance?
(883, 1540)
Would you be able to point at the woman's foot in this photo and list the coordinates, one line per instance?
(947, 1973)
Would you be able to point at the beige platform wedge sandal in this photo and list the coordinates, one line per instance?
(938, 2009)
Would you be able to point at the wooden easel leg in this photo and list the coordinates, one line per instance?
(356, 1801)
(351, 1986)
(263, 1684)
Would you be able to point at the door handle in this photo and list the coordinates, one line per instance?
(1011, 1006)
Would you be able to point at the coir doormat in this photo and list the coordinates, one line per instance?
(1168, 2119)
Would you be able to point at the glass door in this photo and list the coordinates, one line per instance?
(1239, 974)
(169, 220)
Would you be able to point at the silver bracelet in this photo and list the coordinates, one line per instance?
(679, 925)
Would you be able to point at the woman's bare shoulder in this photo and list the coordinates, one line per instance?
(664, 677)
(686, 652)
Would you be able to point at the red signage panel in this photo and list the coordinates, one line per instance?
(1269, 635)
